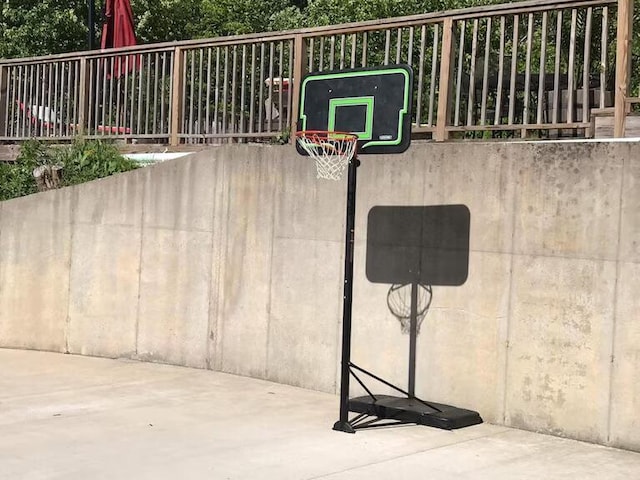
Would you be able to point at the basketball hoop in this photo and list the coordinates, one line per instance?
(331, 151)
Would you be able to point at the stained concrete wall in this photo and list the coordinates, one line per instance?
(231, 259)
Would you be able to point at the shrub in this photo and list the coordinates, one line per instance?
(83, 161)
(17, 180)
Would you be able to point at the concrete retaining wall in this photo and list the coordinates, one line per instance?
(231, 259)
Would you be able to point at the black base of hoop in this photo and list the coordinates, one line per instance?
(343, 427)
(413, 410)
(386, 410)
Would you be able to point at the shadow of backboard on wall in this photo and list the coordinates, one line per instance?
(426, 245)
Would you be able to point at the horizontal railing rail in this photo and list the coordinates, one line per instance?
(525, 69)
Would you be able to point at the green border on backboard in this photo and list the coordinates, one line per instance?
(362, 73)
(368, 102)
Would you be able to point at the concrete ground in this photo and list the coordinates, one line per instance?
(69, 417)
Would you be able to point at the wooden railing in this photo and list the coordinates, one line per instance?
(525, 69)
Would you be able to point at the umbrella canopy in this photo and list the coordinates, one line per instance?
(118, 31)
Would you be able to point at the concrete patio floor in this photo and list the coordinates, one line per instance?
(69, 417)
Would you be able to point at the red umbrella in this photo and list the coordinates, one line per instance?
(118, 31)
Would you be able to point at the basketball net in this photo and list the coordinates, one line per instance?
(332, 151)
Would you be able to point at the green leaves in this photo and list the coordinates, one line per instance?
(329, 12)
(88, 160)
(167, 20)
(82, 161)
(30, 27)
(41, 27)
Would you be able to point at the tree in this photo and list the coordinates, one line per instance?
(236, 17)
(167, 20)
(329, 12)
(41, 27)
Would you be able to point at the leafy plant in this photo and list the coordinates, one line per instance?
(84, 161)
(17, 180)
(81, 162)
(283, 138)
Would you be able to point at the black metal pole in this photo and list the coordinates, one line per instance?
(91, 9)
(413, 334)
(343, 424)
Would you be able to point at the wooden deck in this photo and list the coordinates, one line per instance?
(515, 70)
(603, 124)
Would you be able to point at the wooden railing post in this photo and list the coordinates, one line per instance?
(299, 71)
(176, 98)
(446, 74)
(623, 57)
(4, 90)
(83, 97)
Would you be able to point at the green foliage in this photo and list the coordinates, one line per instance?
(283, 138)
(635, 54)
(330, 12)
(16, 180)
(82, 161)
(42, 27)
(167, 20)
(235, 17)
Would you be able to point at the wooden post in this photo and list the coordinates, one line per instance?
(176, 98)
(299, 71)
(623, 54)
(83, 98)
(4, 90)
(446, 71)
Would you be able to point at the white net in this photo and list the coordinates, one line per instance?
(331, 151)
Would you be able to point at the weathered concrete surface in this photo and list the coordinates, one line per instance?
(462, 347)
(568, 200)
(74, 417)
(174, 297)
(246, 276)
(630, 209)
(308, 230)
(625, 387)
(35, 246)
(378, 344)
(483, 178)
(104, 289)
(175, 278)
(472, 318)
(301, 265)
(560, 346)
(105, 268)
(562, 298)
(232, 260)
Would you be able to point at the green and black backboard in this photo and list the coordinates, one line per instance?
(373, 103)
